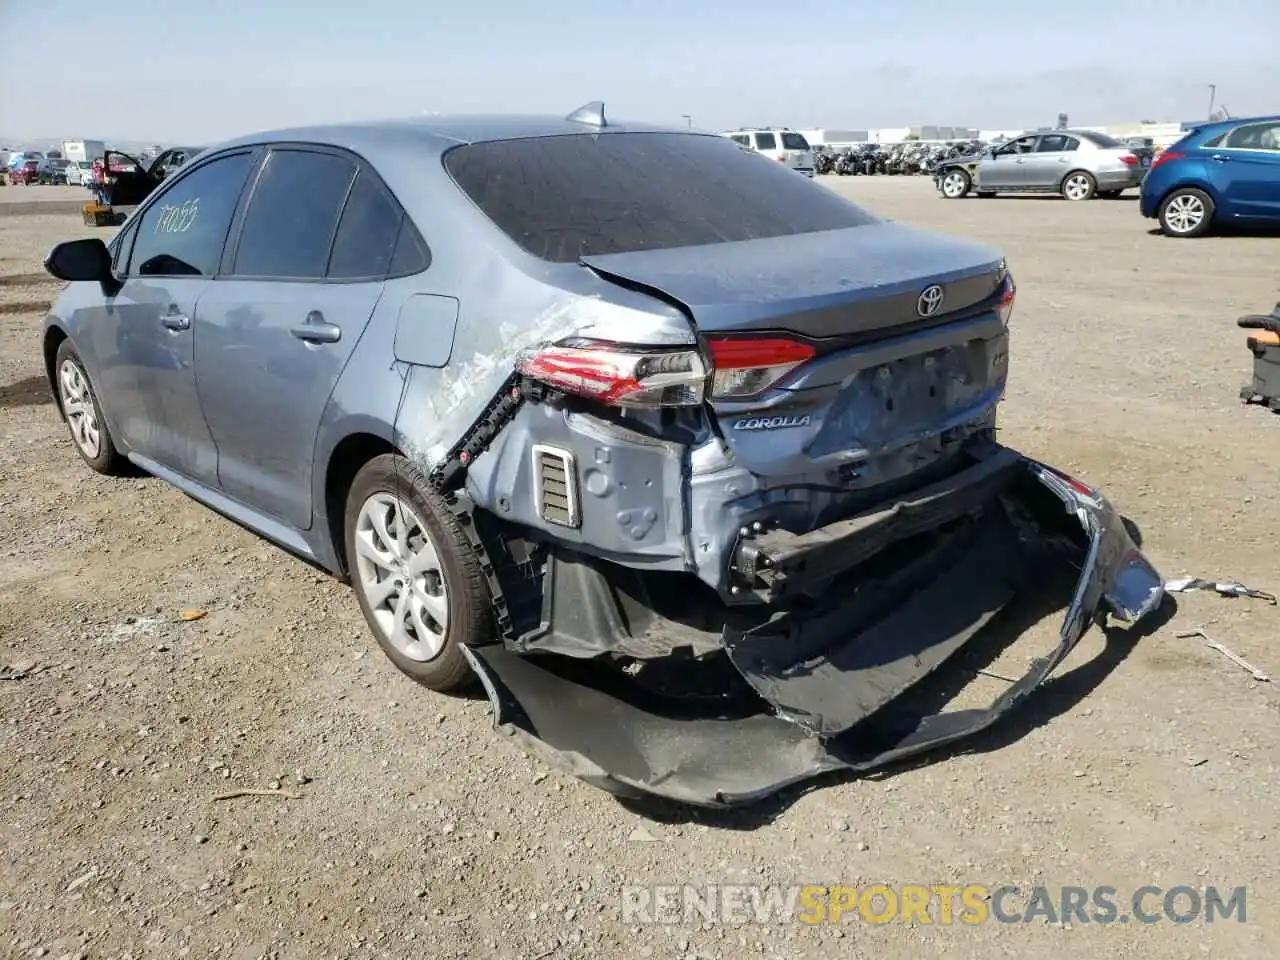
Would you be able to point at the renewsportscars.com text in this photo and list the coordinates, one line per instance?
(942, 904)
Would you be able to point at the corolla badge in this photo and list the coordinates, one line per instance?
(770, 423)
(930, 300)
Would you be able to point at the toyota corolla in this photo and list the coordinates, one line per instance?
(690, 460)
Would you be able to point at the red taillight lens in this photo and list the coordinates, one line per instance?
(1077, 486)
(1167, 155)
(1128, 159)
(743, 367)
(620, 375)
(1004, 306)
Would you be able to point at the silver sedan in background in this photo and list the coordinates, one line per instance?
(1079, 164)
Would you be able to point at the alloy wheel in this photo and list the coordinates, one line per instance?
(1184, 213)
(953, 184)
(1076, 187)
(80, 410)
(399, 571)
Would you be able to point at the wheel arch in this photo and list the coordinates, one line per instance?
(1074, 170)
(1190, 183)
(54, 336)
(347, 456)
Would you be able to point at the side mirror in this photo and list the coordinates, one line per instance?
(82, 260)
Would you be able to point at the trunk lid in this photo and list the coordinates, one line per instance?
(829, 284)
(890, 390)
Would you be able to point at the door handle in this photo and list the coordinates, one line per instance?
(1019, 160)
(176, 321)
(1220, 158)
(316, 329)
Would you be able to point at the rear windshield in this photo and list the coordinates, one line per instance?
(1103, 140)
(565, 197)
(793, 141)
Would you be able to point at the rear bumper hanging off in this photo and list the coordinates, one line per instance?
(819, 691)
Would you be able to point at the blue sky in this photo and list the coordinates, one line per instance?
(186, 70)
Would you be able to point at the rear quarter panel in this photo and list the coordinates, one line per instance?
(1190, 171)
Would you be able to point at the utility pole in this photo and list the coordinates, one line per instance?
(1213, 95)
(688, 120)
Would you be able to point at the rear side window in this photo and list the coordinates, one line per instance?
(1056, 143)
(564, 197)
(182, 233)
(1255, 136)
(289, 228)
(794, 141)
(766, 141)
(412, 255)
(366, 239)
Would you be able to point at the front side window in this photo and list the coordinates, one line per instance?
(1021, 145)
(564, 197)
(181, 234)
(293, 213)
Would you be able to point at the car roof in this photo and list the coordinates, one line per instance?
(1219, 125)
(439, 133)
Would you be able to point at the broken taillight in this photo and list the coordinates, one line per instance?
(620, 375)
(743, 367)
(1004, 306)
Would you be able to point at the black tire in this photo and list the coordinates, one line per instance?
(955, 184)
(107, 460)
(469, 617)
(1185, 198)
(1089, 186)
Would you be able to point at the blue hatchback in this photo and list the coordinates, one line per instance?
(1226, 172)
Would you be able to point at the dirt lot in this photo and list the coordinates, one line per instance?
(419, 832)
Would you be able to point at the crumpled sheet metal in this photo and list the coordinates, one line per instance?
(439, 405)
(632, 743)
(1228, 588)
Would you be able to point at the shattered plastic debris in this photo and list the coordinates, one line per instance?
(1189, 584)
(193, 614)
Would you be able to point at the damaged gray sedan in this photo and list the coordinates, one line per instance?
(690, 460)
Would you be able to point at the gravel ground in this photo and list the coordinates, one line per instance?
(417, 831)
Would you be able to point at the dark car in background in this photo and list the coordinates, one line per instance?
(132, 180)
(51, 170)
(1219, 174)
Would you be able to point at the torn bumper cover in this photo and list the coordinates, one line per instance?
(814, 686)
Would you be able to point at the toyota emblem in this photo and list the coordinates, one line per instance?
(930, 301)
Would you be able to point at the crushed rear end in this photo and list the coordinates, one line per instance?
(795, 692)
(737, 538)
